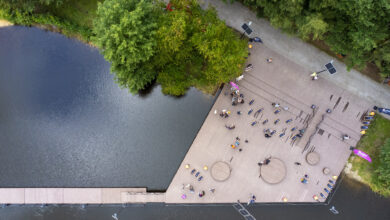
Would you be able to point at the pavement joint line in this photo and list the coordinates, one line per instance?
(304, 104)
(256, 93)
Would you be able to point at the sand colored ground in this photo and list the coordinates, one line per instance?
(4, 23)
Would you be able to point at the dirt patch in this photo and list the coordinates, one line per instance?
(4, 23)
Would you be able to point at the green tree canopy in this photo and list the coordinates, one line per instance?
(196, 48)
(125, 32)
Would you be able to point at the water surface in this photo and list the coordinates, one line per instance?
(65, 123)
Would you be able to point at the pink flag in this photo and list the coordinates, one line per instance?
(362, 155)
(234, 85)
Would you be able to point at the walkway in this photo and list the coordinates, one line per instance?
(78, 196)
(302, 53)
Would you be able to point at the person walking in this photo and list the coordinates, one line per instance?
(252, 199)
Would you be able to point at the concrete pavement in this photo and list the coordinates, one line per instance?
(282, 82)
(302, 53)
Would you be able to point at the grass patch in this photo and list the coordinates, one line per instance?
(78, 12)
(371, 143)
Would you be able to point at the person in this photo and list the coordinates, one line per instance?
(345, 137)
(238, 112)
(297, 163)
(248, 67)
(252, 199)
(314, 76)
(239, 78)
(212, 190)
(267, 161)
(260, 163)
(257, 39)
(269, 60)
(275, 105)
(201, 194)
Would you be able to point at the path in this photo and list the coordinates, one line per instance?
(78, 196)
(302, 53)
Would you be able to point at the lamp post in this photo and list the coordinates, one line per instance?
(246, 28)
(328, 67)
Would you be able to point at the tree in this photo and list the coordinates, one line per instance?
(312, 26)
(222, 51)
(195, 48)
(125, 32)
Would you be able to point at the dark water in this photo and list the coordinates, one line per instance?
(63, 122)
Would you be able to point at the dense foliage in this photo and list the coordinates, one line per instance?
(125, 32)
(195, 48)
(376, 143)
(184, 47)
(358, 29)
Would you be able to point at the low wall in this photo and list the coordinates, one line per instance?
(78, 196)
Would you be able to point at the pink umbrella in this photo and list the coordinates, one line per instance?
(362, 155)
(234, 85)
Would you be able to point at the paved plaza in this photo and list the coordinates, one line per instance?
(289, 84)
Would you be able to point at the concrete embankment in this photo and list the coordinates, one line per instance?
(78, 196)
